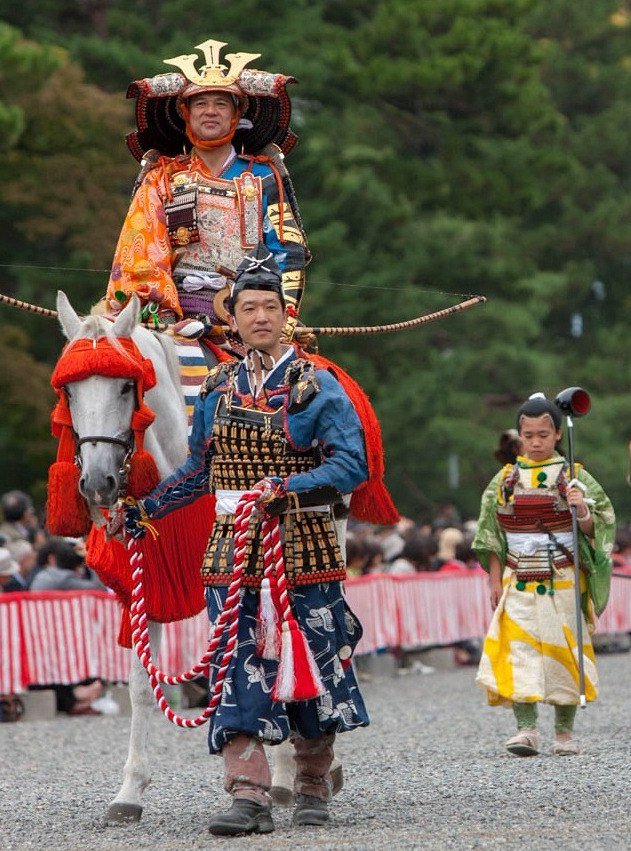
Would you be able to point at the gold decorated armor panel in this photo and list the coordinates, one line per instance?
(213, 233)
(250, 444)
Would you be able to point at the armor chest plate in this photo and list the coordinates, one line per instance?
(249, 445)
(212, 221)
(536, 502)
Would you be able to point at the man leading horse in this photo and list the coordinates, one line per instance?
(275, 422)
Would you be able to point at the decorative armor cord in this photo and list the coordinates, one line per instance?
(298, 677)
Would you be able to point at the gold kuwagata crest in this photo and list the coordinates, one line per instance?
(213, 72)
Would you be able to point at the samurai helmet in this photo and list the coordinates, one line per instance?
(262, 102)
(257, 271)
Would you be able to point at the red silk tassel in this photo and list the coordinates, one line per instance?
(173, 583)
(143, 474)
(298, 676)
(124, 632)
(371, 501)
(66, 510)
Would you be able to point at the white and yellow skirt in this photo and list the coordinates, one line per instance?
(530, 650)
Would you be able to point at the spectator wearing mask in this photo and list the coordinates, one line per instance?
(390, 542)
(414, 557)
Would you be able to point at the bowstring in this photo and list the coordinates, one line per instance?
(311, 280)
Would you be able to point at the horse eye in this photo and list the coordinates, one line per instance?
(127, 387)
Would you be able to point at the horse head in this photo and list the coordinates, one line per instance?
(106, 405)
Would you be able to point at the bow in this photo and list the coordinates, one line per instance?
(307, 334)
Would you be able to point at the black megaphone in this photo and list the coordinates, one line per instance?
(573, 402)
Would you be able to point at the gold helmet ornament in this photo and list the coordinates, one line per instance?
(213, 75)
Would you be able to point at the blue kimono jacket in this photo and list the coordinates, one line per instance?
(330, 422)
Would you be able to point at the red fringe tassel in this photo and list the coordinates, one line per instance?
(143, 474)
(124, 631)
(172, 562)
(371, 502)
(298, 677)
(66, 510)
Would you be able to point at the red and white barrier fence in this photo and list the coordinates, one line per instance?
(67, 636)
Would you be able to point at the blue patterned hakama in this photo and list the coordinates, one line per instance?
(246, 704)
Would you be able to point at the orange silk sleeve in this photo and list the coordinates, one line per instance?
(142, 261)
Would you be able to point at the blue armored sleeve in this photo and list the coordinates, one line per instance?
(190, 480)
(330, 421)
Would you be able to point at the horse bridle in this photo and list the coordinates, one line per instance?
(127, 444)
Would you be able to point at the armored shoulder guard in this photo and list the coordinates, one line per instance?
(303, 385)
(221, 374)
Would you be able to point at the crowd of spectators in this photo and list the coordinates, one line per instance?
(442, 544)
(31, 560)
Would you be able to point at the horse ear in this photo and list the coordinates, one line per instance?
(68, 318)
(128, 318)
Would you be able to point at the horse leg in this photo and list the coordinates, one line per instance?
(126, 806)
(284, 773)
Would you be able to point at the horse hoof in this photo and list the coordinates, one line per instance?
(282, 796)
(337, 778)
(123, 814)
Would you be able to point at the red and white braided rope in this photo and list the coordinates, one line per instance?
(229, 615)
(275, 564)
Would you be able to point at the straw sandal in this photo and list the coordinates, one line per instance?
(525, 743)
(569, 747)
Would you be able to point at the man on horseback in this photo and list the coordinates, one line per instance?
(276, 423)
(195, 212)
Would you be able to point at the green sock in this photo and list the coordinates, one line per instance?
(564, 719)
(526, 715)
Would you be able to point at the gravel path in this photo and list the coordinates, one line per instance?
(430, 772)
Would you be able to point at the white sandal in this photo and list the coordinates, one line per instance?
(525, 743)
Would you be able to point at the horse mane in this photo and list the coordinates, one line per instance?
(168, 347)
(93, 328)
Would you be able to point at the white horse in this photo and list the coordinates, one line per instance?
(102, 406)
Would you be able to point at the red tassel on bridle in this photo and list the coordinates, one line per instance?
(67, 512)
(143, 473)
